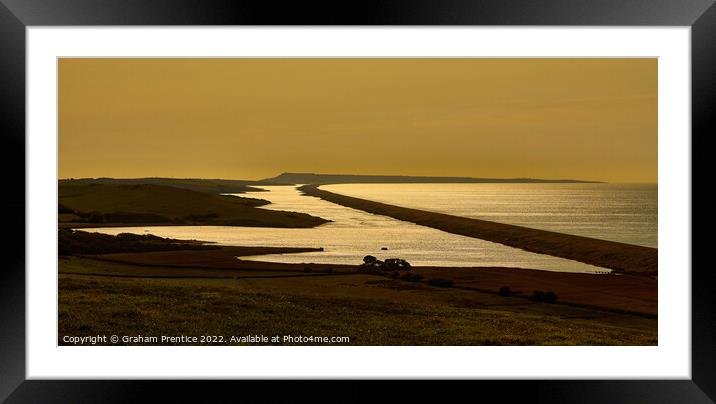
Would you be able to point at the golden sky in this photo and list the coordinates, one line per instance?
(590, 119)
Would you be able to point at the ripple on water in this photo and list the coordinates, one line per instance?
(352, 234)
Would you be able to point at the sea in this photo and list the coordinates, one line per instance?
(625, 213)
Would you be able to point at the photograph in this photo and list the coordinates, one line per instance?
(368, 201)
(251, 193)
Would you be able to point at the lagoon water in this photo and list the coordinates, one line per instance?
(354, 234)
(627, 213)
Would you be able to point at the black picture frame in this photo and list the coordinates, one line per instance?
(16, 15)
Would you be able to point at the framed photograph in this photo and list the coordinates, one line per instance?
(496, 192)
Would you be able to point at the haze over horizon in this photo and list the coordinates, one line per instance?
(342, 175)
(583, 119)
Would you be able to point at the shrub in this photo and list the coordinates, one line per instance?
(546, 297)
(410, 277)
(373, 265)
(307, 269)
(551, 297)
(505, 291)
(443, 283)
(329, 270)
(396, 264)
(369, 259)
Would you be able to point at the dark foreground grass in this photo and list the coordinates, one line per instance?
(91, 305)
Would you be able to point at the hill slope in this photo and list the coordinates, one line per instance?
(195, 184)
(84, 205)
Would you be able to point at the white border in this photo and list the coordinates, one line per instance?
(670, 359)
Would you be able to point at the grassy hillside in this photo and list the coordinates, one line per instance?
(83, 205)
(101, 297)
(156, 286)
(75, 242)
(195, 184)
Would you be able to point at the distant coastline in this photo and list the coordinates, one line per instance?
(288, 178)
(322, 179)
(219, 186)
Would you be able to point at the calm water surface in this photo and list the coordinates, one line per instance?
(354, 234)
(619, 212)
